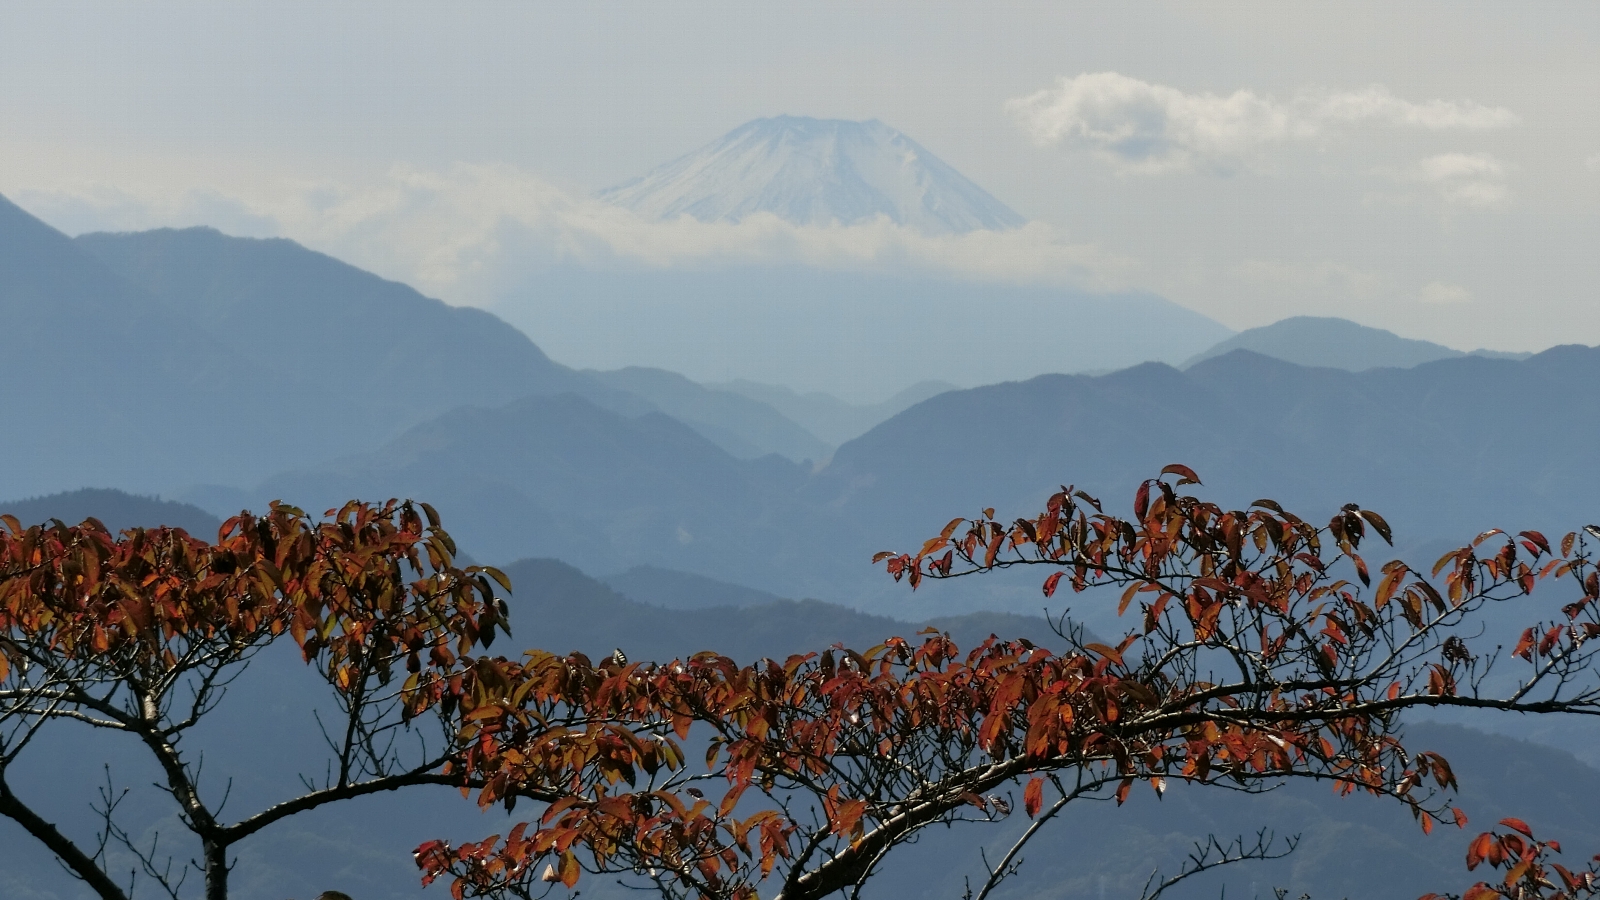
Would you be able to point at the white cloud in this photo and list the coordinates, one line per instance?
(1376, 104)
(468, 233)
(1148, 127)
(97, 207)
(1442, 294)
(1145, 127)
(1469, 179)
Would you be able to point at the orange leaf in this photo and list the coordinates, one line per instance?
(1517, 825)
(1033, 796)
(1185, 474)
(569, 869)
(1110, 653)
(848, 815)
(1051, 582)
(1478, 850)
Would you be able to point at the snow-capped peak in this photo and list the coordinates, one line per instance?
(815, 172)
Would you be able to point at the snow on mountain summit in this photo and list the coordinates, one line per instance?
(815, 172)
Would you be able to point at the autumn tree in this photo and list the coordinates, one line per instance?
(139, 634)
(1529, 870)
(1259, 648)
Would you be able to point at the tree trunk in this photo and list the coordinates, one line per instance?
(216, 860)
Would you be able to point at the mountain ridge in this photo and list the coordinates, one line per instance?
(1337, 343)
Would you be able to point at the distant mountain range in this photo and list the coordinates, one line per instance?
(250, 370)
(166, 359)
(1444, 449)
(735, 421)
(828, 417)
(1338, 344)
(1429, 447)
(228, 372)
(815, 172)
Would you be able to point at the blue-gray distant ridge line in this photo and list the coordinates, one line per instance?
(815, 172)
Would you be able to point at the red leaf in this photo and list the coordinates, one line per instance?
(1517, 825)
(1525, 646)
(1185, 474)
(1051, 582)
(1478, 850)
(848, 816)
(1033, 796)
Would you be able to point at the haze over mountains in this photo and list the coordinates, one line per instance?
(271, 371)
(670, 510)
(865, 321)
(255, 365)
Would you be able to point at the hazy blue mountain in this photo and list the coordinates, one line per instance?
(684, 591)
(1431, 442)
(1426, 446)
(567, 610)
(115, 509)
(1338, 344)
(828, 417)
(672, 589)
(173, 358)
(1444, 450)
(560, 476)
(858, 335)
(106, 387)
(815, 172)
(744, 426)
(351, 334)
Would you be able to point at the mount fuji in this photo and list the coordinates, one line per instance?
(815, 172)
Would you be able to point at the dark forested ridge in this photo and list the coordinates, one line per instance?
(1466, 440)
(115, 509)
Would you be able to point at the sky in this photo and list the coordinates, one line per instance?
(1433, 169)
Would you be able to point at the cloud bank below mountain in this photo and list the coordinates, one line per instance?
(466, 232)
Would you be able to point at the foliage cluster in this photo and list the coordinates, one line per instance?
(1260, 648)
